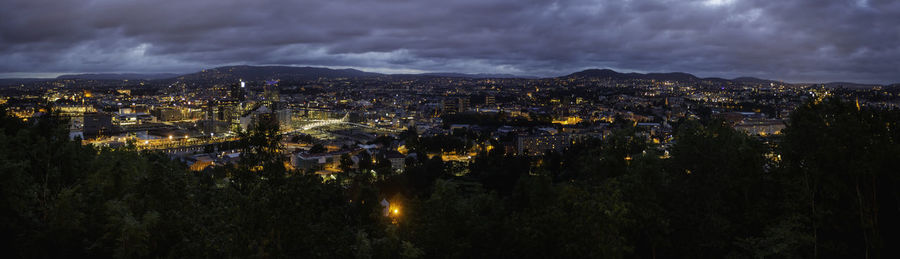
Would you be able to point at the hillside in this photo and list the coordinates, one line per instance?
(256, 73)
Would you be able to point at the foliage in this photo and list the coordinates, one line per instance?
(829, 187)
(841, 162)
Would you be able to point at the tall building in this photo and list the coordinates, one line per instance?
(262, 115)
(270, 94)
(456, 105)
(284, 118)
(168, 114)
(450, 106)
(236, 92)
(463, 104)
(489, 100)
(224, 110)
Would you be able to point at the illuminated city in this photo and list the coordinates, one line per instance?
(263, 134)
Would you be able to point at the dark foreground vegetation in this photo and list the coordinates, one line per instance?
(828, 188)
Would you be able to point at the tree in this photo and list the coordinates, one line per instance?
(346, 163)
(261, 154)
(365, 161)
(722, 192)
(841, 162)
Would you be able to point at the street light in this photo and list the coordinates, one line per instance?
(394, 214)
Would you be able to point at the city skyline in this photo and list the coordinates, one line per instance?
(130, 75)
(449, 129)
(797, 41)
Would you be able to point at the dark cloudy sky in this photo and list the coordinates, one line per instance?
(792, 40)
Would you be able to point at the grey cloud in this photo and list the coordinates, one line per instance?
(801, 40)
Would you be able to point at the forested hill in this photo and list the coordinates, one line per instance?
(829, 188)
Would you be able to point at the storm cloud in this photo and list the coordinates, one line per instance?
(792, 40)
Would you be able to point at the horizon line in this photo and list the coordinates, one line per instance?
(391, 71)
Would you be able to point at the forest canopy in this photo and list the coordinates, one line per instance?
(828, 187)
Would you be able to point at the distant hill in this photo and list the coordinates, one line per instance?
(754, 80)
(480, 75)
(849, 85)
(125, 76)
(259, 73)
(599, 73)
(674, 76)
(608, 73)
(256, 73)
